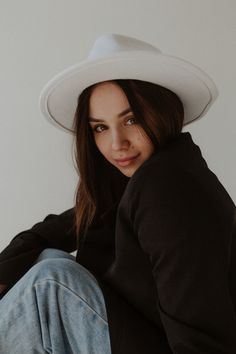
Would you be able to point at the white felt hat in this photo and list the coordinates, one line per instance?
(115, 56)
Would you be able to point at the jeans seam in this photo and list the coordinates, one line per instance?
(70, 290)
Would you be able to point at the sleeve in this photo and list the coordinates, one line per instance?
(97, 251)
(186, 233)
(55, 231)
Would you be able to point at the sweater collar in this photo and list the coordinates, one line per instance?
(182, 149)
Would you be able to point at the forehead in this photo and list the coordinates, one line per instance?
(107, 99)
(119, 115)
(107, 90)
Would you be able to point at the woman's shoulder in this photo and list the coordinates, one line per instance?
(155, 170)
(179, 157)
(163, 181)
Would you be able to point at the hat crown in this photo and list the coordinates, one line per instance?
(116, 56)
(111, 44)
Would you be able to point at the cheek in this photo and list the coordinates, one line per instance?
(143, 140)
(136, 136)
(101, 144)
(141, 135)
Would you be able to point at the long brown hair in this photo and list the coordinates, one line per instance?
(160, 113)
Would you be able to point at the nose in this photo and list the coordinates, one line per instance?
(119, 141)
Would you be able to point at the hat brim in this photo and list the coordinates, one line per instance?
(58, 99)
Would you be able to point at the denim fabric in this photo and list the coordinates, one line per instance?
(56, 307)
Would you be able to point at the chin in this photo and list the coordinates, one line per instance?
(128, 172)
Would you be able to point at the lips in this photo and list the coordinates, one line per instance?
(126, 159)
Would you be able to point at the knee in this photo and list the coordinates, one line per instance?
(53, 253)
(62, 270)
(51, 268)
(59, 269)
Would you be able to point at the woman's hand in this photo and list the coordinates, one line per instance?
(2, 287)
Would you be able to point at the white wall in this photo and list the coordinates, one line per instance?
(40, 38)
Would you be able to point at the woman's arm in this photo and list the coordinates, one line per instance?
(184, 225)
(55, 231)
(2, 287)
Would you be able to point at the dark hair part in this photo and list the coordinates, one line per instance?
(160, 113)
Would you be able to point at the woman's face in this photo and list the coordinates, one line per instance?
(117, 137)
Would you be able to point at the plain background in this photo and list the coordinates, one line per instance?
(41, 38)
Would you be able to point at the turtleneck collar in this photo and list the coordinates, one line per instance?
(181, 150)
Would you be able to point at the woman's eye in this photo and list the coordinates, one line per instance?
(101, 125)
(97, 126)
(131, 118)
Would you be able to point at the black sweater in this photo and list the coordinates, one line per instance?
(164, 256)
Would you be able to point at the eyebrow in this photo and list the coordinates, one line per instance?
(121, 114)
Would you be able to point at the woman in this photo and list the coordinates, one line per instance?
(155, 235)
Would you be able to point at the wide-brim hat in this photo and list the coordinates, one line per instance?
(115, 56)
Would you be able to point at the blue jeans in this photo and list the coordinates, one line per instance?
(56, 307)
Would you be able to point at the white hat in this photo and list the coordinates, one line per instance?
(115, 56)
